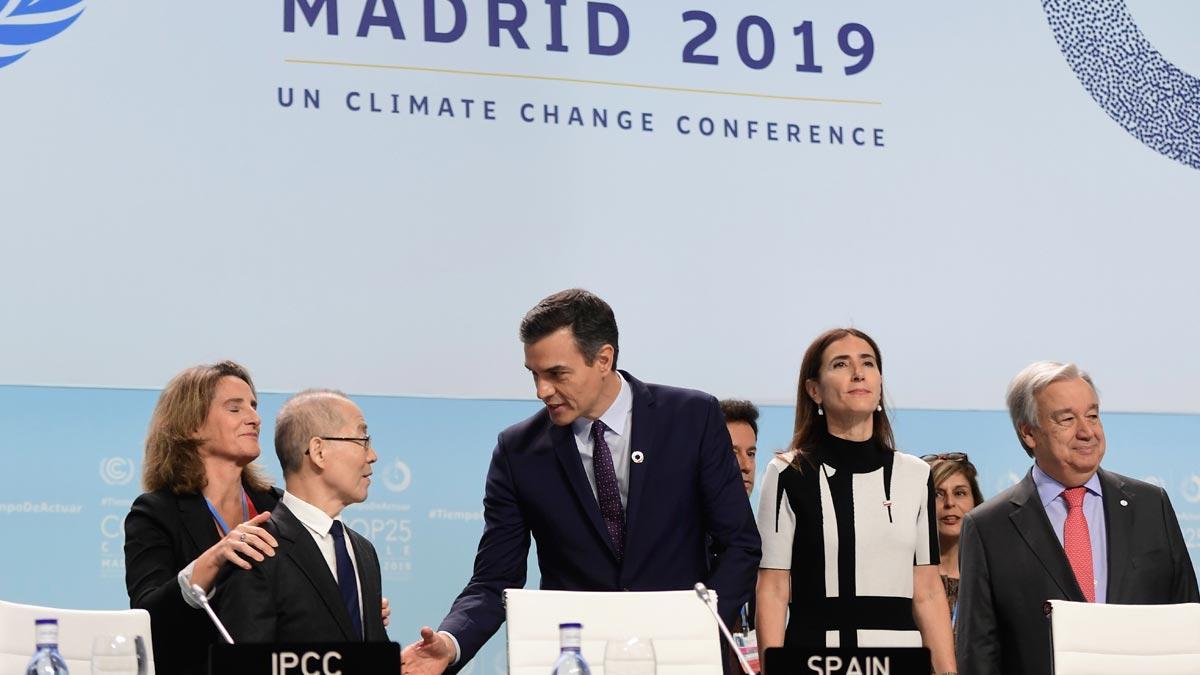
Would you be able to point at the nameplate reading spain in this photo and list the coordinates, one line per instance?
(324, 658)
(837, 661)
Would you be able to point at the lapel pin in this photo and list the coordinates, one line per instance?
(1124, 503)
(638, 457)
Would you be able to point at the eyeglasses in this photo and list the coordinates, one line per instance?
(946, 457)
(364, 441)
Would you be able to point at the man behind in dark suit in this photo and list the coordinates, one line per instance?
(622, 484)
(1120, 534)
(323, 584)
(741, 418)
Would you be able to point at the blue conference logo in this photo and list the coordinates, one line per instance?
(24, 23)
(1154, 100)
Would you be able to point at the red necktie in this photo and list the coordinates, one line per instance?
(1077, 542)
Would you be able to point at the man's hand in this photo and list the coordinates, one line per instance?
(430, 655)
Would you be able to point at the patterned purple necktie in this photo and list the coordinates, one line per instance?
(607, 491)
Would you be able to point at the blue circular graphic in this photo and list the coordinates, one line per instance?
(1155, 101)
(28, 22)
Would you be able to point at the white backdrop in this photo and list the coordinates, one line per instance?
(160, 207)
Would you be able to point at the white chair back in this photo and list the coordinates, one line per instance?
(685, 635)
(1101, 639)
(76, 628)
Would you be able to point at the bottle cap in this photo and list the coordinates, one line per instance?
(45, 632)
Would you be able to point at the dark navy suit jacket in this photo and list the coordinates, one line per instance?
(685, 496)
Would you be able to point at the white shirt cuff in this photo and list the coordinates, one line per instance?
(457, 651)
(185, 587)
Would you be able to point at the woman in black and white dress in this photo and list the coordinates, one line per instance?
(850, 545)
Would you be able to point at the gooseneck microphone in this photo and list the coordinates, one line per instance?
(711, 603)
(201, 598)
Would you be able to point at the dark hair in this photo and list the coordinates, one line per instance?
(590, 319)
(810, 426)
(941, 469)
(172, 460)
(738, 410)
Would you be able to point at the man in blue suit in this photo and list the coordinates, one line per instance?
(624, 486)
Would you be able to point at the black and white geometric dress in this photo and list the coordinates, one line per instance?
(850, 529)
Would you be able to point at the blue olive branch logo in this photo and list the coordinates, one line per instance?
(1154, 100)
(24, 23)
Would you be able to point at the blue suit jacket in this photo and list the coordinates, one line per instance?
(685, 499)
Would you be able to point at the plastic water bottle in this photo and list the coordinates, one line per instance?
(46, 660)
(570, 660)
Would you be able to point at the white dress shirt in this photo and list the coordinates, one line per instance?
(619, 420)
(317, 522)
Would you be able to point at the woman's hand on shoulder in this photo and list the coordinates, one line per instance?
(247, 540)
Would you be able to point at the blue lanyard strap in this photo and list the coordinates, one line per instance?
(221, 525)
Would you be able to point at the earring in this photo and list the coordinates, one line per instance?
(820, 411)
(879, 408)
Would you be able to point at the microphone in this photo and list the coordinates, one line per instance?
(201, 598)
(710, 601)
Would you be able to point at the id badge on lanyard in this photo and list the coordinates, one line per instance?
(747, 641)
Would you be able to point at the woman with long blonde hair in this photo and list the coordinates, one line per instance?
(202, 510)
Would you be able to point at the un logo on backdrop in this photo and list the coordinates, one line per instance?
(24, 23)
(1155, 101)
(115, 470)
(1191, 489)
(397, 476)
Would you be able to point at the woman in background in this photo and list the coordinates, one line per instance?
(202, 509)
(956, 483)
(850, 551)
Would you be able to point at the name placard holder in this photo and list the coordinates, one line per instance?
(309, 658)
(831, 661)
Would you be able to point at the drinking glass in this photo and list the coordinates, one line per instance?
(631, 656)
(116, 655)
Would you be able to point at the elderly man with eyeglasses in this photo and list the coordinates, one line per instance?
(323, 584)
(1068, 531)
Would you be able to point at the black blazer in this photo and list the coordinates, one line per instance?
(685, 498)
(1011, 562)
(163, 533)
(293, 597)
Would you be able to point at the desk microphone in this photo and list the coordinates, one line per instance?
(711, 602)
(201, 598)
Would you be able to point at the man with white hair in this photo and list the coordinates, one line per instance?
(1069, 531)
(323, 583)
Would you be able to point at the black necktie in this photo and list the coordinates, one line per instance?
(347, 582)
(608, 492)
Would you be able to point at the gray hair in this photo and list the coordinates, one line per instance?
(1023, 390)
(310, 413)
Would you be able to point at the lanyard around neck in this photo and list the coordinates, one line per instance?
(221, 525)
